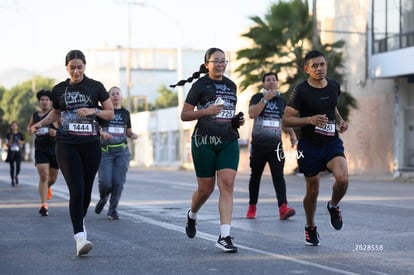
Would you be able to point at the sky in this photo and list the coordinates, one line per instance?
(36, 34)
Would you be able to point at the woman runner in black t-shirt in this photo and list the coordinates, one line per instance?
(214, 147)
(76, 101)
(14, 142)
(115, 155)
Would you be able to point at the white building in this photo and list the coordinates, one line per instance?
(163, 137)
(150, 68)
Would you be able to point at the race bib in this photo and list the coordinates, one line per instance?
(226, 114)
(116, 130)
(267, 123)
(42, 131)
(327, 130)
(15, 148)
(81, 129)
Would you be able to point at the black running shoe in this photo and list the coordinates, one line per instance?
(190, 227)
(336, 217)
(311, 236)
(113, 216)
(43, 211)
(99, 206)
(226, 244)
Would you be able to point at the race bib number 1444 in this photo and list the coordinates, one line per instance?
(81, 128)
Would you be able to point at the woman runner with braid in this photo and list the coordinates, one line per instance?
(214, 144)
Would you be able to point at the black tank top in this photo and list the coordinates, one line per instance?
(42, 137)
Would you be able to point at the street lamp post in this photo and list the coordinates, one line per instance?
(180, 89)
(179, 65)
(129, 53)
(128, 65)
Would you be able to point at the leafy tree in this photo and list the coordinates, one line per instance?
(280, 42)
(3, 124)
(142, 106)
(167, 98)
(138, 104)
(19, 102)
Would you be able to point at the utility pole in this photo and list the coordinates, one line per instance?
(315, 25)
(129, 53)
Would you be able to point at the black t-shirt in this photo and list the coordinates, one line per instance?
(15, 138)
(68, 98)
(267, 126)
(117, 127)
(202, 94)
(311, 101)
(42, 135)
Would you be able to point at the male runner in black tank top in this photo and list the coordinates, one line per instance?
(313, 107)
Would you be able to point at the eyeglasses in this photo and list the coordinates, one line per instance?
(219, 62)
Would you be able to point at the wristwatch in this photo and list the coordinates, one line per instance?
(97, 110)
(264, 100)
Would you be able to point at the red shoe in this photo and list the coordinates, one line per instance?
(286, 212)
(251, 212)
(49, 193)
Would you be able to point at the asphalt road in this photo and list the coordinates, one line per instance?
(377, 237)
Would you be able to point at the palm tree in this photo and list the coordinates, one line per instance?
(280, 42)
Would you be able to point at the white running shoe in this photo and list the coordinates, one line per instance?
(83, 246)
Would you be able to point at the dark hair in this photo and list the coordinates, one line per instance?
(44, 93)
(14, 122)
(267, 74)
(201, 70)
(113, 87)
(74, 54)
(312, 54)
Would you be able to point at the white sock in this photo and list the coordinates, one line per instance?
(80, 236)
(192, 215)
(84, 229)
(224, 230)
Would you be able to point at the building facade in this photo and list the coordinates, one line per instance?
(379, 40)
(391, 47)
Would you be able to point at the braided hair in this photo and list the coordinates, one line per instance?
(201, 70)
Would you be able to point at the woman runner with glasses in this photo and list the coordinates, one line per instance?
(214, 143)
